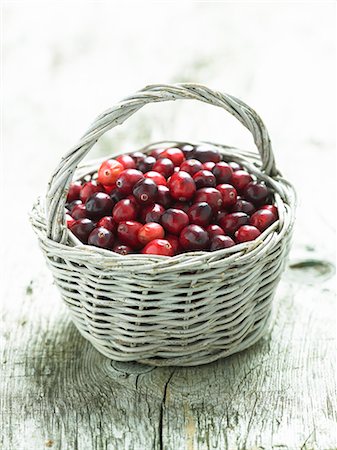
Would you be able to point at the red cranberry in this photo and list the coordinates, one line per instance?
(200, 214)
(124, 210)
(116, 195)
(235, 166)
(138, 157)
(108, 223)
(174, 220)
(145, 191)
(223, 172)
(89, 188)
(156, 152)
(99, 205)
(208, 166)
(271, 208)
(149, 232)
(127, 179)
(71, 205)
(246, 233)
(188, 150)
(174, 241)
(220, 242)
(240, 179)
(229, 194)
(219, 215)
(262, 219)
(214, 230)
(78, 212)
(74, 191)
(205, 153)
(158, 178)
(233, 221)
(128, 233)
(126, 161)
(184, 206)
(69, 221)
(194, 237)
(174, 154)
(122, 249)
(182, 186)
(101, 237)
(204, 178)
(147, 164)
(164, 166)
(163, 196)
(109, 171)
(160, 247)
(209, 195)
(243, 206)
(256, 192)
(109, 189)
(191, 166)
(82, 228)
(152, 213)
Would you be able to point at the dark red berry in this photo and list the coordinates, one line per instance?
(256, 192)
(182, 186)
(220, 242)
(126, 161)
(79, 212)
(157, 177)
(101, 237)
(229, 195)
(271, 208)
(174, 154)
(127, 179)
(115, 196)
(191, 166)
(122, 249)
(205, 153)
(184, 206)
(99, 205)
(209, 195)
(164, 166)
(174, 241)
(69, 221)
(108, 223)
(89, 188)
(188, 150)
(194, 237)
(208, 166)
(160, 247)
(128, 233)
(156, 152)
(200, 214)
(74, 191)
(243, 206)
(246, 233)
(71, 205)
(145, 191)
(109, 172)
(262, 219)
(174, 220)
(219, 215)
(149, 232)
(147, 164)
(82, 228)
(223, 172)
(124, 210)
(214, 230)
(233, 221)
(138, 157)
(204, 178)
(235, 166)
(163, 196)
(240, 179)
(152, 213)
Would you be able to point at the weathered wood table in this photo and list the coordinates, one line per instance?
(58, 392)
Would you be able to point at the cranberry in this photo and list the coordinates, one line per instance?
(109, 189)
(82, 228)
(124, 210)
(246, 233)
(69, 221)
(89, 188)
(156, 152)
(101, 237)
(205, 153)
(174, 220)
(204, 178)
(122, 249)
(127, 179)
(184, 206)
(262, 219)
(233, 221)
(99, 205)
(240, 179)
(74, 191)
(219, 215)
(126, 161)
(256, 192)
(145, 191)
(128, 233)
(271, 208)
(158, 178)
(174, 154)
(70, 206)
(149, 232)
(220, 242)
(78, 212)
(109, 171)
(191, 166)
(188, 150)
(182, 186)
(174, 241)
(214, 230)
(147, 164)
(138, 157)
(194, 237)
(116, 195)
(223, 172)
(160, 247)
(243, 206)
(200, 214)
(208, 166)
(209, 195)
(163, 196)
(152, 213)
(164, 166)
(229, 194)
(108, 223)
(235, 166)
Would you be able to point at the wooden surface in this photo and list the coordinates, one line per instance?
(56, 390)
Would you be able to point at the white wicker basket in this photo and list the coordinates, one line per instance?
(187, 310)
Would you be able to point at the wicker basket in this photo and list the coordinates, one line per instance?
(187, 310)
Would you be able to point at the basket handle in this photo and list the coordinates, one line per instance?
(59, 183)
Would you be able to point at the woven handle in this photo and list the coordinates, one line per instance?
(58, 185)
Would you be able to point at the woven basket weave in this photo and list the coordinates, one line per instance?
(187, 310)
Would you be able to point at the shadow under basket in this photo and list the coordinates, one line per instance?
(186, 310)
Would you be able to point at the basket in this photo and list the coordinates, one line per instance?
(186, 310)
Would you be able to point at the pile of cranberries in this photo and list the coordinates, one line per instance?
(171, 201)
